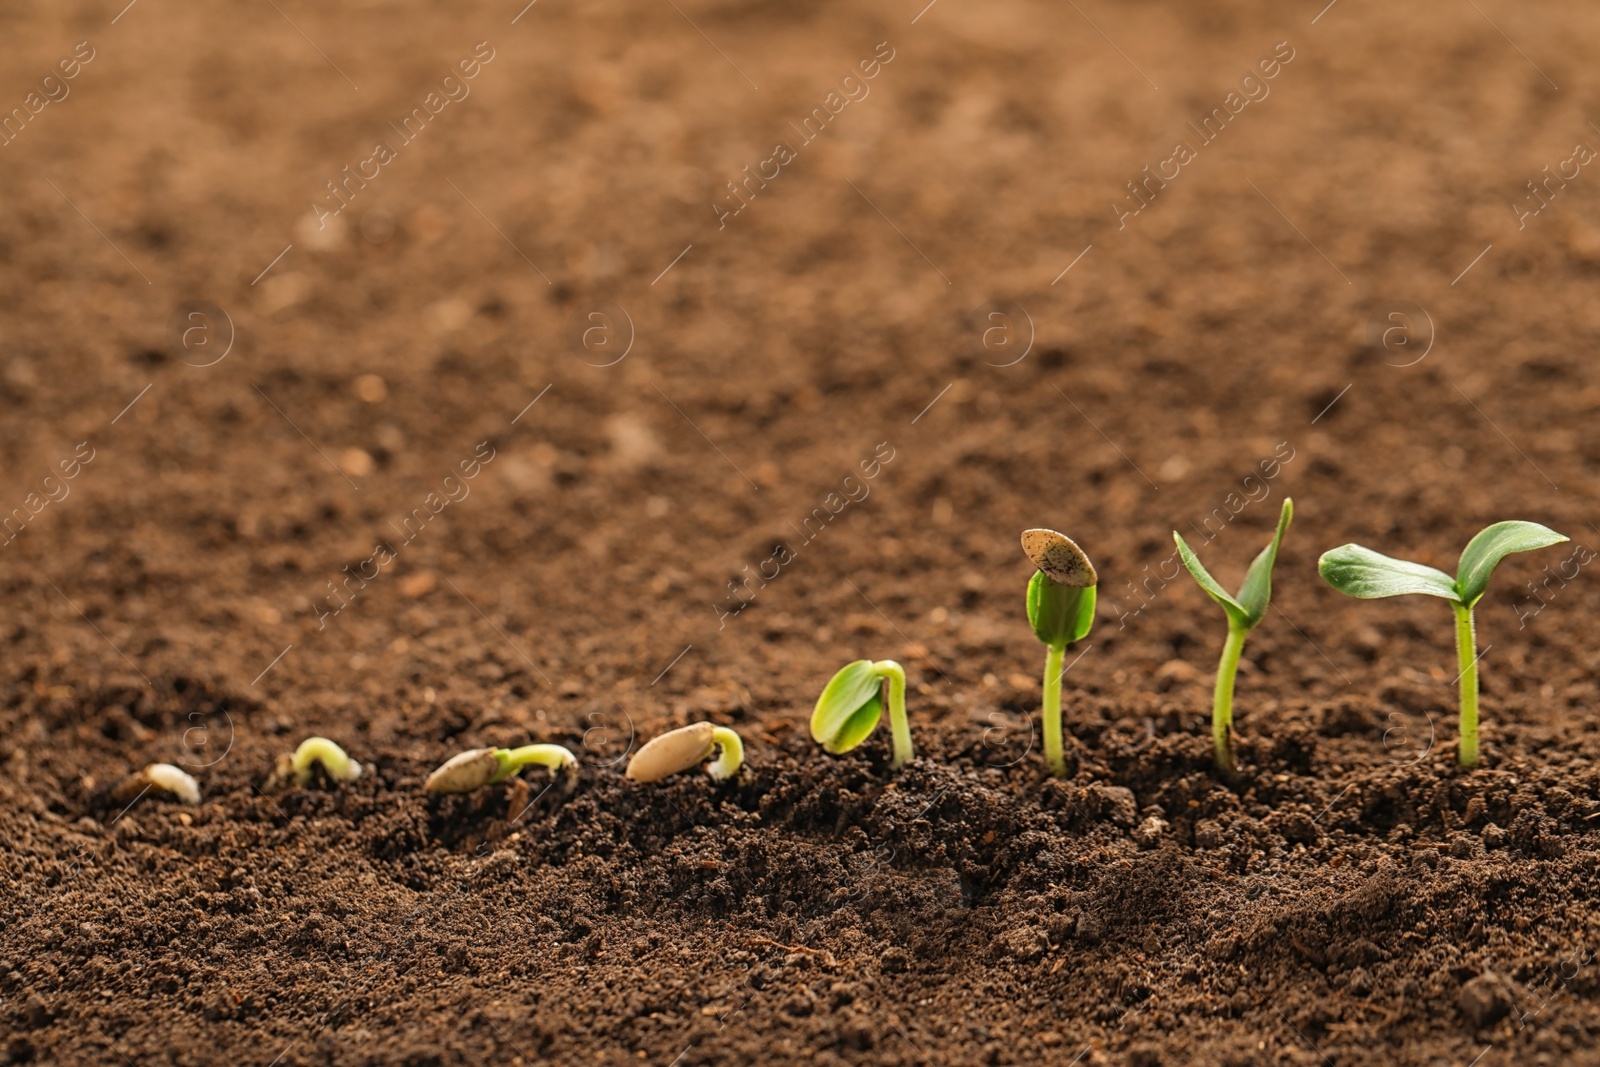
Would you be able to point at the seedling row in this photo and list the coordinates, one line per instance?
(1060, 606)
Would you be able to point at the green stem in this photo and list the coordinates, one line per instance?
(1222, 704)
(555, 757)
(898, 724)
(1052, 710)
(730, 759)
(1467, 656)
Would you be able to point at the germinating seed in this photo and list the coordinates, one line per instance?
(672, 752)
(479, 767)
(170, 779)
(471, 770)
(686, 747)
(295, 767)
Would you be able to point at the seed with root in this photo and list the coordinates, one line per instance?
(162, 776)
(686, 747)
(1059, 557)
(295, 767)
(479, 767)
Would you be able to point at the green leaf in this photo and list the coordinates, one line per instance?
(846, 694)
(1237, 616)
(1256, 592)
(1360, 572)
(856, 728)
(1493, 544)
(1060, 614)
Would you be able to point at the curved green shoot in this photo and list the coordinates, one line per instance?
(479, 767)
(1061, 599)
(727, 764)
(852, 703)
(297, 766)
(1361, 572)
(1245, 612)
(686, 747)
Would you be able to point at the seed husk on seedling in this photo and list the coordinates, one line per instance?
(852, 703)
(1245, 612)
(1360, 572)
(686, 747)
(1061, 598)
(479, 767)
(296, 767)
(162, 776)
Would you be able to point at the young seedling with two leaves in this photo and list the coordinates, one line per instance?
(1245, 612)
(852, 703)
(1360, 572)
(1061, 597)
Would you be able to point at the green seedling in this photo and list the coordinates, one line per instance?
(296, 766)
(479, 767)
(1361, 572)
(686, 747)
(159, 776)
(852, 703)
(1061, 599)
(1245, 612)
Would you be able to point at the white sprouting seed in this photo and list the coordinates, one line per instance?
(173, 780)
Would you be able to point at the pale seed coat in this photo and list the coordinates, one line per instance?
(1059, 557)
(470, 770)
(672, 752)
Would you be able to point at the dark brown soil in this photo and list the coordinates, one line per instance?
(821, 445)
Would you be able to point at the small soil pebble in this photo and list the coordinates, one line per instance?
(1116, 803)
(1485, 999)
(1144, 1054)
(1150, 831)
(1025, 943)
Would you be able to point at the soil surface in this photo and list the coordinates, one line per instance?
(432, 377)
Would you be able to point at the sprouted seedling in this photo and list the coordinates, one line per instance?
(479, 767)
(297, 766)
(1360, 572)
(1245, 612)
(852, 703)
(686, 747)
(162, 776)
(1061, 599)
